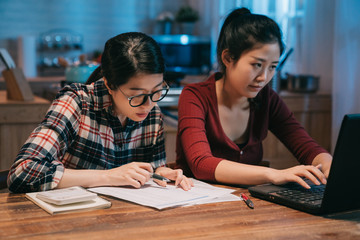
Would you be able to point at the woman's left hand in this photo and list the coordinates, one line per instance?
(325, 159)
(175, 175)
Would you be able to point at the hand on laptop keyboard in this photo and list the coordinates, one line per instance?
(297, 173)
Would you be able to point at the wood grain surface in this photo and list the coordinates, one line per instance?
(21, 219)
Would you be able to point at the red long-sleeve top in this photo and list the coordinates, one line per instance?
(202, 143)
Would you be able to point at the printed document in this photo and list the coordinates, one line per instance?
(158, 197)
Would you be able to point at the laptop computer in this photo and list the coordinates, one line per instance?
(342, 191)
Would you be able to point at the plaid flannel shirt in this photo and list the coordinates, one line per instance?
(81, 131)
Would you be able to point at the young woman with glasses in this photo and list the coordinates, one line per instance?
(108, 132)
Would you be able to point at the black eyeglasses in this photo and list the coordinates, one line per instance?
(138, 100)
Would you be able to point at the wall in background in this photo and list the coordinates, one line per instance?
(346, 71)
(317, 42)
(96, 20)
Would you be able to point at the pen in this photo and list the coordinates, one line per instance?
(159, 177)
(247, 200)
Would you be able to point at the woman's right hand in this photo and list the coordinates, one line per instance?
(295, 174)
(133, 174)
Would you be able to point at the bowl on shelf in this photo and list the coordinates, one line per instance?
(78, 72)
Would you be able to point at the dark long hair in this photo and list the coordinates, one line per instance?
(242, 30)
(126, 55)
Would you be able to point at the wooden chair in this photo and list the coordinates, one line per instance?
(3, 177)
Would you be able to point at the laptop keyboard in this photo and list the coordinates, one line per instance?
(299, 194)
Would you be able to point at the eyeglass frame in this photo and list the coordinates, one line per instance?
(146, 95)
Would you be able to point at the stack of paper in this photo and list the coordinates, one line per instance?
(158, 197)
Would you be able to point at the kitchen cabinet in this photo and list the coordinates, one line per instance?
(17, 120)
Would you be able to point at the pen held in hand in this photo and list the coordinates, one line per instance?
(159, 177)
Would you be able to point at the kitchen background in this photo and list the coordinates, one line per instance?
(325, 35)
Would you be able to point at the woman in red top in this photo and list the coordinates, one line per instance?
(223, 121)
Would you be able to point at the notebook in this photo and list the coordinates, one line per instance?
(67, 200)
(342, 191)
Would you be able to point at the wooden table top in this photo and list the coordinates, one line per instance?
(21, 219)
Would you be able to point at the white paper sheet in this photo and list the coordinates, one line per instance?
(158, 197)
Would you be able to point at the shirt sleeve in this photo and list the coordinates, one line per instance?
(38, 166)
(291, 133)
(192, 135)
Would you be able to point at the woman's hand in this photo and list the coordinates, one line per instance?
(133, 174)
(295, 174)
(325, 159)
(175, 175)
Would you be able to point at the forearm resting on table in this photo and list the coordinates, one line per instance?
(83, 177)
(244, 174)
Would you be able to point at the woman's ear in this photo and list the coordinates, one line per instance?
(107, 86)
(226, 57)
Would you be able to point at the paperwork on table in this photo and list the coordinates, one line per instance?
(158, 197)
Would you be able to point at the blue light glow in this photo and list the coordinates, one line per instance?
(184, 39)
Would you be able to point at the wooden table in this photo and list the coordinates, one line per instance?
(21, 219)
